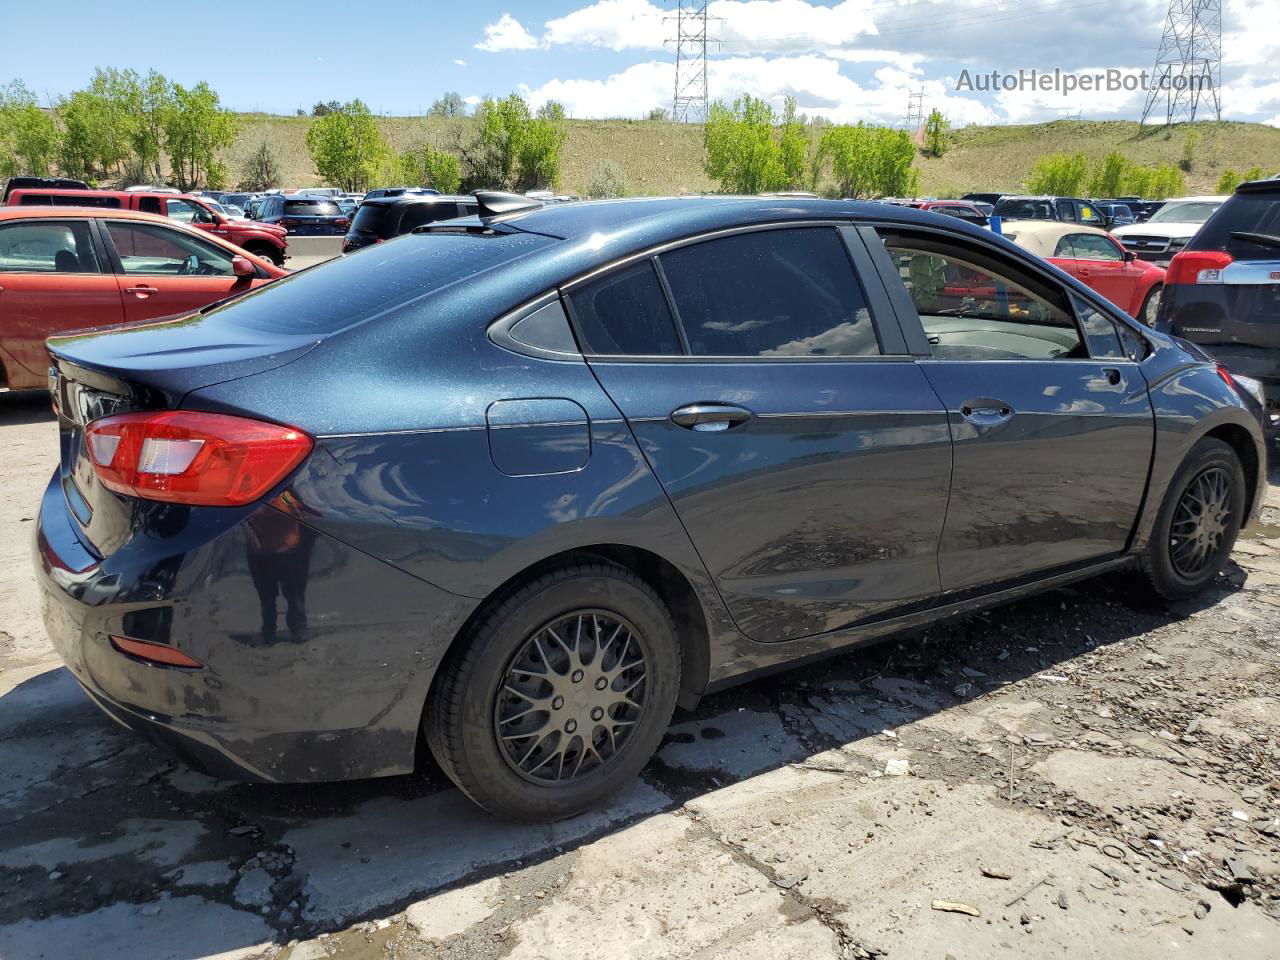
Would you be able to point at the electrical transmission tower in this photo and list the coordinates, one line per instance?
(1188, 67)
(914, 119)
(692, 36)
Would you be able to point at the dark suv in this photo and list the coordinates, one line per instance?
(378, 193)
(304, 216)
(386, 217)
(1223, 290)
(1065, 209)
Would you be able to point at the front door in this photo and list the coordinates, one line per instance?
(1052, 425)
(802, 448)
(51, 282)
(1100, 264)
(163, 271)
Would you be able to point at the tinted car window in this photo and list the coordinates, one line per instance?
(47, 247)
(972, 310)
(146, 248)
(372, 218)
(1100, 332)
(311, 208)
(775, 293)
(1090, 246)
(1025, 209)
(416, 214)
(1251, 212)
(88, 200)
(625, 313)
(350, 290)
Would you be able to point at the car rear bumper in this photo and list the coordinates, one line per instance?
(331, 689)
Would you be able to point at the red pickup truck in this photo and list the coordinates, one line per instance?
(263, 240)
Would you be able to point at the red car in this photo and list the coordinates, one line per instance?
(68, 268)
(1097, 260)
(263, 240)
(960, 209)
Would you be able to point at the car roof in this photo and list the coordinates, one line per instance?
(1222, 197)
(408, 198)
(1041, 235)
(14, 212)
(640, 221)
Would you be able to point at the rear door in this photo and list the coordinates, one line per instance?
(773, 395)
(51, 281)
(162, 271)
(1051, 421)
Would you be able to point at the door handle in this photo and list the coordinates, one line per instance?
(985, 412)
(1113, 375)
(709, 417)
(141, 292)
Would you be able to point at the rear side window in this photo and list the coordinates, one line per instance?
(350, 290)
(1256, 213)
(372, 218)
(1025, 209)
(774, 293)
(416, 214)
(47, 247)
(625, 313)
(311, 208)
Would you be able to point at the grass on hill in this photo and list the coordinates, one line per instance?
(660, 157)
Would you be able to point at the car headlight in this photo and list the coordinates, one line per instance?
(1250, 386)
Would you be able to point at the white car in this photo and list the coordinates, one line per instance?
(1169, 228)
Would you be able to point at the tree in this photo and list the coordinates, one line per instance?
(551, 110)
(1108, 177)
(743, 152)
(1059, 174)
(606, 181)
(658, 113)
(870, 161)
(1166, 181)
(449, 105)
(793, 144)
(346, 146)
(260, 172)
(1253, 173)
(195, 129)
(1229, 180)
(541, 143)
(1189, 144)
(935, 134)
(509, 148)
(28, 137)
(324, 109)
(425, 167)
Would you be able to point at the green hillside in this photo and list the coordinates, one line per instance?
(663, 158)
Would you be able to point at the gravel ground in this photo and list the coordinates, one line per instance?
(1084, 774)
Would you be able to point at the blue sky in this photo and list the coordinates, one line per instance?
(846, 59)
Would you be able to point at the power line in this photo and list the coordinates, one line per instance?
(1189, 63)
(914, 119)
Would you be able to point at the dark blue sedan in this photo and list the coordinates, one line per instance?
(522, 483)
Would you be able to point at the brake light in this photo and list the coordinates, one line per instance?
(341, 222)
(1197, 266)
(204, 459)
(152, 652)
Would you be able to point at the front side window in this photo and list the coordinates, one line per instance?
(973, 308)
(625, 313)
(47, 247)
(771, 293)
(150, 249)
(1091, 246)
(186, 212)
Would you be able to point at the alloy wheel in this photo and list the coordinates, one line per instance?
(1200, 522)
(1153, 308)
(571, 697)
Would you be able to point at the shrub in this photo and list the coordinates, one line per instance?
(606, 181)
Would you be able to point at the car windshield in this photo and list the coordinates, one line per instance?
(349, 290)
(1190, 211)
(311, 208)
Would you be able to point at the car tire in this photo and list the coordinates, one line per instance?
(270, 254)
(1198, 522)
(1151, 306)
(510, 710)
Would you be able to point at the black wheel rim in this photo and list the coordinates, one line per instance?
(1200, 522)
(572, 696)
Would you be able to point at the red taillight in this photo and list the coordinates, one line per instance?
(341, 222)
(1197, 266)
(160, 653)
(205, 459)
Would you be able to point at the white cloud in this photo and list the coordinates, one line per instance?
(506, 34)
(815, 81)
(613, 24)
(461, 63)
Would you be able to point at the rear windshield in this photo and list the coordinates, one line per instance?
(371, 218)
(350, 290)
(311, 208)
(1025, 209)
(1256, 213)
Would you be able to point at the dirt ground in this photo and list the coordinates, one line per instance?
(1084, 774)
